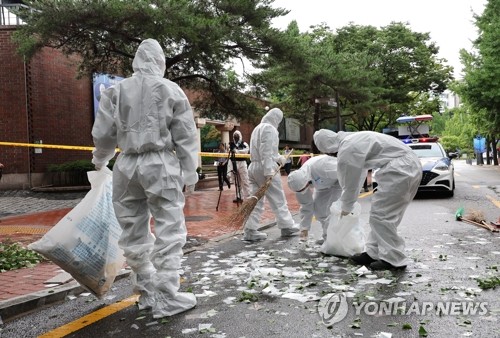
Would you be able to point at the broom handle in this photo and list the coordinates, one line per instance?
(478, 224)
(281, 165)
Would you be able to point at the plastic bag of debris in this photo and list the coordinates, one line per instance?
(345, 236)
(85, 242)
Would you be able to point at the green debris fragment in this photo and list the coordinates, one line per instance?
(248, 297)
(488, 283)
(407, 326)
(422, 332)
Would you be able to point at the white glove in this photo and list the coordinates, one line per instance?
(189, 190)
(282, 160)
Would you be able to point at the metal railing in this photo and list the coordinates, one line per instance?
(7, 17)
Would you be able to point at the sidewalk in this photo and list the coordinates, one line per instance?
(25, 289)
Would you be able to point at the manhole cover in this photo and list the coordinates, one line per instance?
(197, 218)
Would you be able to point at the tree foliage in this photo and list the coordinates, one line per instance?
(201, 38)
(377, 74)
(480, 88)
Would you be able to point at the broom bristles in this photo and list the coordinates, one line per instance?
(476, 216)
(238, 218)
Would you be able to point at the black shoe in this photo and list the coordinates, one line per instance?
(238, 200)
(362, 259)
(229, 185)
(220, 189)
(383, 265)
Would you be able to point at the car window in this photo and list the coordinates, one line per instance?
(427, 150)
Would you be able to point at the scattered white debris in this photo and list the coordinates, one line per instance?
(402, 294)
(134, 326)
(188, 331)
(376, 281)
(362, 271)
(281, 313)
(395, 300)
(229, 300)
(301, 297)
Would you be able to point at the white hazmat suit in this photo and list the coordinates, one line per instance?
(317, 187)
(151, 121)
(240, 147)
(264, 157)
(398, 179)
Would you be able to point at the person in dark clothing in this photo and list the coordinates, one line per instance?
(222, 168)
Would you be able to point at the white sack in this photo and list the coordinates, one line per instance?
(345, 235)
(85, 242)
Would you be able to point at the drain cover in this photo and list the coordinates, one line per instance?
(197, 218)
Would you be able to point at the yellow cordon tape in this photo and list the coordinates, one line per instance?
(58, 146)
(51, 146)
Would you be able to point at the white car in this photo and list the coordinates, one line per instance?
(438, 173)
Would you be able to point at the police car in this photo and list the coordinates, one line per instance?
(438, 171)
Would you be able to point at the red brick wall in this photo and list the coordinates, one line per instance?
(41, 100)
(61, 108)
(13, 117)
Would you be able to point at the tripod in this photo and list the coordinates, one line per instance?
(236, 175)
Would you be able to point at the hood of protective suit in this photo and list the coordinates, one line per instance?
(149, 59)
(273, 117)
(298, 179)
(327, 141)
(240, 139)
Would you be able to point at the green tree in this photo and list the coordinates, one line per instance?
(375, 75)
(459, 131)
(201, 39)
(480, 87)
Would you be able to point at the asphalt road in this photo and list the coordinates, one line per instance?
(273, 288)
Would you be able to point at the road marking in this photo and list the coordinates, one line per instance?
(90, 318)
(494, 201)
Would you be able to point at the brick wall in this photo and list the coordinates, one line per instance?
(13, 115)
(41, 100)
(61, 108)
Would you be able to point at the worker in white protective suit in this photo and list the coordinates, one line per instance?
(316, 187)
(265, 162)
(150, 119)
(398, 179)
(238, 167)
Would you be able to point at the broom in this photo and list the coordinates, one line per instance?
(240, 216)
(475, 217)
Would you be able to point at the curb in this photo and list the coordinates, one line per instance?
(12, 308)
